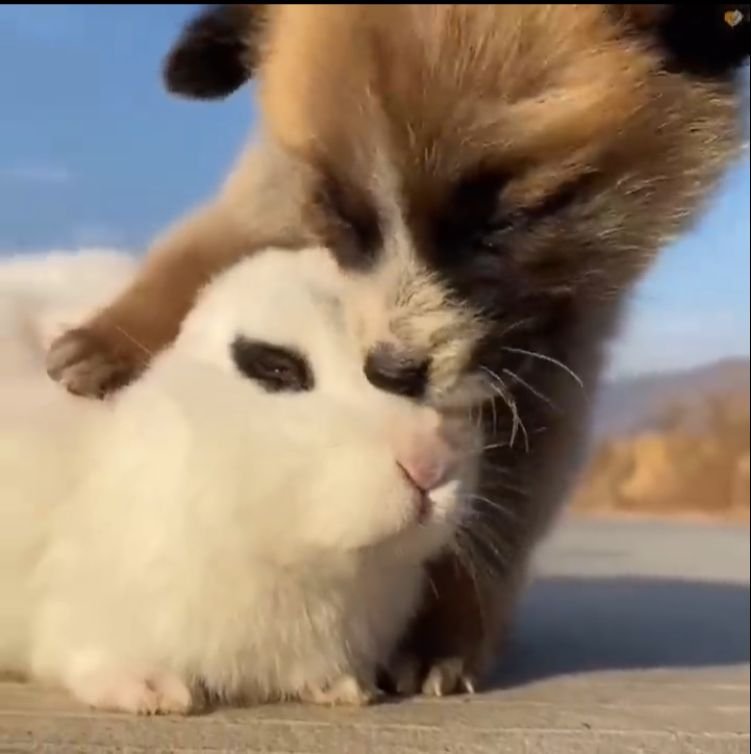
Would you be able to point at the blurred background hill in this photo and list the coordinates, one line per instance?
(671, 444)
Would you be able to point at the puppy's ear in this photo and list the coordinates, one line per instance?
(217, 51)
(700, 39)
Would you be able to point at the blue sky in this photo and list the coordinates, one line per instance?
(94, 152)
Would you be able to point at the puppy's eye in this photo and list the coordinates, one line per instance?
(275, 368)
(474, 215)
(490, 236)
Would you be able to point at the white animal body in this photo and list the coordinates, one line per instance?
(250, 519)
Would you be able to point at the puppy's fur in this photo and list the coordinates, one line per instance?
(226, 521)
(495, 178)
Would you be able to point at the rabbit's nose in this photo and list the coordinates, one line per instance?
(427, 462)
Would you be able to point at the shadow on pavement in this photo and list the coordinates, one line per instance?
(575, 625)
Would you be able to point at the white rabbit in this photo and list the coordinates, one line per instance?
(250, 519)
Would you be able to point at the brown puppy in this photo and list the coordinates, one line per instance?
(497, 177)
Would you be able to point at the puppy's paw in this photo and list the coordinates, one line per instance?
(346, 691)
(447, 677)
(153, 694)
(89, 364)
(443, 677)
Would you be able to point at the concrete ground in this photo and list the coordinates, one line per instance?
(634, 640)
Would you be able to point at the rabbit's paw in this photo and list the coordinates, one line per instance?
(116, 689)
(344, 691)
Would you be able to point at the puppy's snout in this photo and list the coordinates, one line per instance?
(394, 371)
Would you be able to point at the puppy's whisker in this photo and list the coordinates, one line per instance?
(494, 505)
(548, 359)
(463, 555)
(498, 468)
(514, 326)
(544, 398)
(481, 542)
(493, 411)
(503, 392)
(479, 452)
(505, 487)
(494, 446)
(476, 417)
(147, 351)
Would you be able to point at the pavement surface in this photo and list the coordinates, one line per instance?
(634, 640)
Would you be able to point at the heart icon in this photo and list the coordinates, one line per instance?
(733, 17)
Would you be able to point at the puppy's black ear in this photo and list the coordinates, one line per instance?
(700, 39)
(217, 52)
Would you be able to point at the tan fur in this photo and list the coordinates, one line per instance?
(399, 102)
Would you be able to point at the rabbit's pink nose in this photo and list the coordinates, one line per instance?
(428, 464)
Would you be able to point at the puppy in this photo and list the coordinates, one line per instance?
(495, 178)
(250, 520)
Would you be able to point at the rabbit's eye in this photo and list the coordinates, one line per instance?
(276, 368)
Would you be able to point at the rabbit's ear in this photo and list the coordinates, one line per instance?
(217, 51)
(701, 39)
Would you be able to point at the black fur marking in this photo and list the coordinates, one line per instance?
(348, 222)
(277, 369)
(216, 53)
(395, 372)
(702, 42)
(472, 218)
(701, 39)
(478, 244)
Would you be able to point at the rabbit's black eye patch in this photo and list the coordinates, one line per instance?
(277, 369)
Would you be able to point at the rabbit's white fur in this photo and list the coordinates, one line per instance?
(197, 529)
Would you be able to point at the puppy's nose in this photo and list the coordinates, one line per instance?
(428, 463)
(397, 372)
